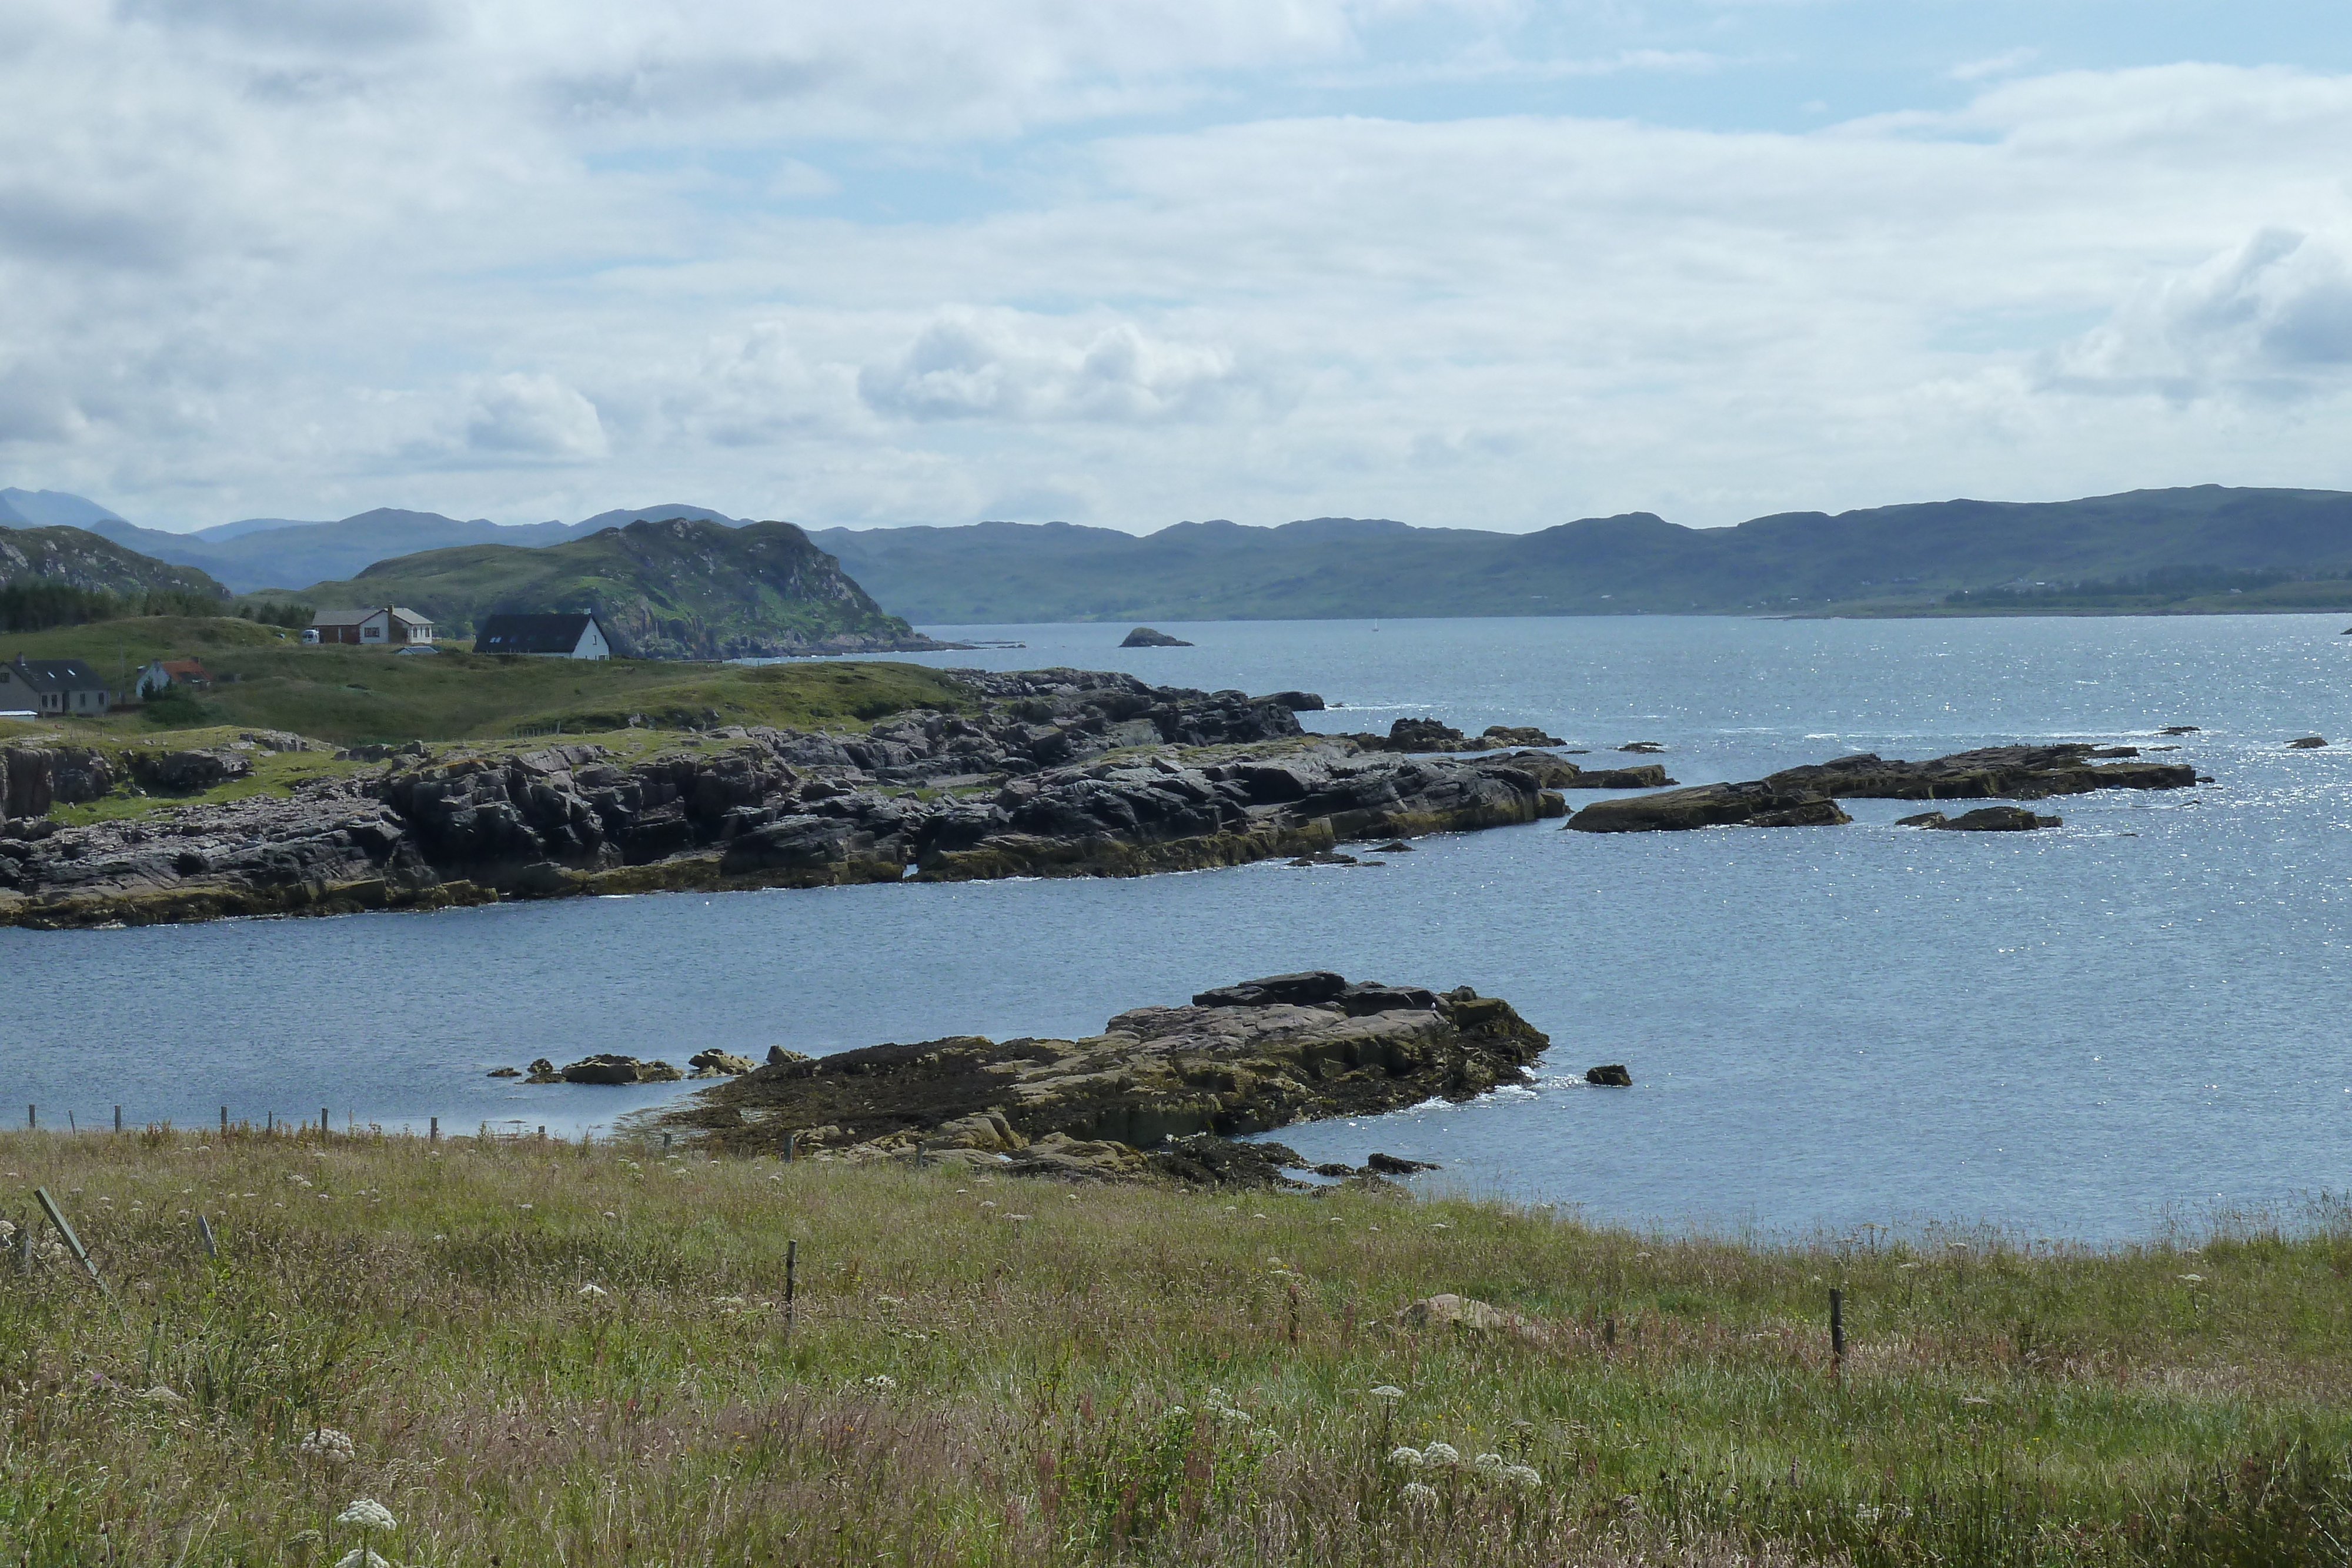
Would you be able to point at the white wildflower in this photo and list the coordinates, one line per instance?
(158, 1394)
(882, 1383)
(368, 1514)
(1522, 1475)
(360, 1557)
(592, 1290)
(1441, 1453)
(1407, 1458)
(1487, 1464)
(1418, 1494)
(1387, 1391)
(1178, 1410)
(2192, 1278)
(327, 1444)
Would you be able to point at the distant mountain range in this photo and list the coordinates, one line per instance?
(677, 588)
(1351, 566)
(2202, 547)
(281, 552)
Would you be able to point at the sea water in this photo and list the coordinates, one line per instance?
(2087, 1032)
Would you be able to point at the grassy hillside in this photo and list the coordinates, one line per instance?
(532, 1353)
(76, 559)
(1910, 556)
(347, 694)
(683, 587)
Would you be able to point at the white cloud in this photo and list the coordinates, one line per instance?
(532, 417)
(2008, 62)
(2271, 320)
(971, 364)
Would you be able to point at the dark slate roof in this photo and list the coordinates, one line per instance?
(530, 633)
(56, 674)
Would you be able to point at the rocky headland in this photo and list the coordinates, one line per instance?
(1808, 796)
(1046, 773)
(1158, 1095)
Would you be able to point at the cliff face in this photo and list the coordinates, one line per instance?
(680, 588)
(75, 557)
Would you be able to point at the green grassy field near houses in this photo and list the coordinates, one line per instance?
(265, 677)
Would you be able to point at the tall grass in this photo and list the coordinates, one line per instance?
(550, 1353)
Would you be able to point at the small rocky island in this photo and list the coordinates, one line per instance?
(1159, 1094)
(1152, 637)
(1808, 796)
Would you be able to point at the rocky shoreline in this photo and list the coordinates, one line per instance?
(1042, 773)
(1159, 1094)
(1048, 773)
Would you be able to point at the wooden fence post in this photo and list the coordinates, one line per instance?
(791, 1271)
(1837, 1327)
(56, 1217)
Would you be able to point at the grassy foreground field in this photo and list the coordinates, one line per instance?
(353, 695)
(544, 1352)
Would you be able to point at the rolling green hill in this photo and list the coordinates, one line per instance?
(77, 559)
(679, 588)
(1905, 559)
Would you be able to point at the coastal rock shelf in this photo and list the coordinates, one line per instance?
(1048, 773)
(1149, 1096)
(1808, 796)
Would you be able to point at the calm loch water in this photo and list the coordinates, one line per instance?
(2081, 1032)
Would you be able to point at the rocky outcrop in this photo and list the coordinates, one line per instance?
(611, 1069)
(1413, 735)
(1808, 796)
(1983, 819)
(187, 772)
(1237, 1061)
(33, 778)
(1611, 1076)
(1148, 637)
(1049, 773)
(719, 1064)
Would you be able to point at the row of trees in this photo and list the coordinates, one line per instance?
(37, 605)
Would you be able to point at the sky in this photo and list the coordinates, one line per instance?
(1490, 264)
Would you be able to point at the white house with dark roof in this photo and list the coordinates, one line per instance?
(579, 636)
(63, 688)
(384, 626)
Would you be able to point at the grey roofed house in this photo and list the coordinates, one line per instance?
(576, 636)
(65, 686)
